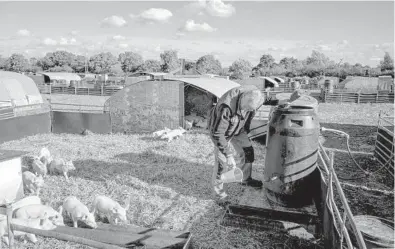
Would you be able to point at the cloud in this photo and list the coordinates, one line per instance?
(49, 42)
(374, 58)
(74, 32)
(158, 49)
(191, 26)
(65, 42)
(153, 15)
(23, 32)
(213, 7)
(123, 45)
(118, 37)
(113, 21)
(324, 48)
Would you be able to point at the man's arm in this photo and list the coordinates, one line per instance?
(220, 126)
(248, 122)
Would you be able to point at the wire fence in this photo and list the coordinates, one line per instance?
(384, 145)
(94, 91)
(357, 97)
(340, 221)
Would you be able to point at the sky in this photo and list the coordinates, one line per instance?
(355, 31)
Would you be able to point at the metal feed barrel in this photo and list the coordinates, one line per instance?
(328, 84)
(291, 156)
(303, 100)
(295, 84)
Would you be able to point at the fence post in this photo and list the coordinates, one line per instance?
(102, 88)
(75, 90)
(359, 97)
(341, 97)
(377, 97)
(88, 90)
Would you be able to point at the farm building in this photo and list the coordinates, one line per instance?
(363, 84)
(150, 105)
(260, 82)
(140, 76)
(18, 90)
(60, 78)
(386, 83)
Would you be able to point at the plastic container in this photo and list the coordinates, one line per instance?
(233, 175)
(291, 155)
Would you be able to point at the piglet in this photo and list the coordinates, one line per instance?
(60, 165)
(40, 211)
(111, 209)
(161, 132)
(43, 224)
(78, 211)
(174, 134)
(32, 183)
(45, 155)
(39, 167)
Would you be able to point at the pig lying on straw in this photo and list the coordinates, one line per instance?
(173, 134)
(110, 209)
(32, 183)
(161, 132)
(78, 211)
(39, 211)
(43, 224)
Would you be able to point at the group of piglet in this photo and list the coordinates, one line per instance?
(33, 180)
(44, 217)
(169, 134)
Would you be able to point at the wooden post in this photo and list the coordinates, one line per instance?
(341, 97)
(359, 97)
(377, 97)
(88, 90)
(10, 231)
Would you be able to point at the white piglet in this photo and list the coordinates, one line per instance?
(39, 211)
(43, 224)
(60, 165)
(174, 134)
(161, 132)
(32, 183)
(78, 211)
(39, 168)
(45, 155)
(112, 210)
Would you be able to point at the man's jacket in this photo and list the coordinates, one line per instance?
(226, 120)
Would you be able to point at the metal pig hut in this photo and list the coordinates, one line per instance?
(150, 105)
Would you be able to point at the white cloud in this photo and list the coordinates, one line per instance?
(324, 48)
(153, 15)
(214, 7)
(191, 26)
(158, 49)
(113, 21)
(118, 37)
(74, 32)
(65, 42)
(23, 32)
(123, 45)
(375, 58)
(49, 42)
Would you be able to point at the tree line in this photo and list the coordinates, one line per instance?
(315, 65)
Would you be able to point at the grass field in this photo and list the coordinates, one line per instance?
(169, 183)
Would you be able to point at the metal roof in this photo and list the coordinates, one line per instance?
(216, 86)
(148, 73)
(62, 76)
(270, 79)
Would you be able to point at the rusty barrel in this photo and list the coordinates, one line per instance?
(290, 175)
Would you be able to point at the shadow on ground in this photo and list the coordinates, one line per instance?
(184, 177)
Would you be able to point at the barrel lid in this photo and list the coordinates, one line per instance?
(374, 227)
(303, 100)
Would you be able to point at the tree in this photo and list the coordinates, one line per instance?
(64, 68)
(208, 64)
(151, 66)
(130, 61)
(57, 59)
(169, 60)
(102, 63)
(266, 61)
(289, 63)
(318, 59)
(2, 62)
(387, 63)
(240, 69)
(117, 69)
(78, 64)
(16, 63)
